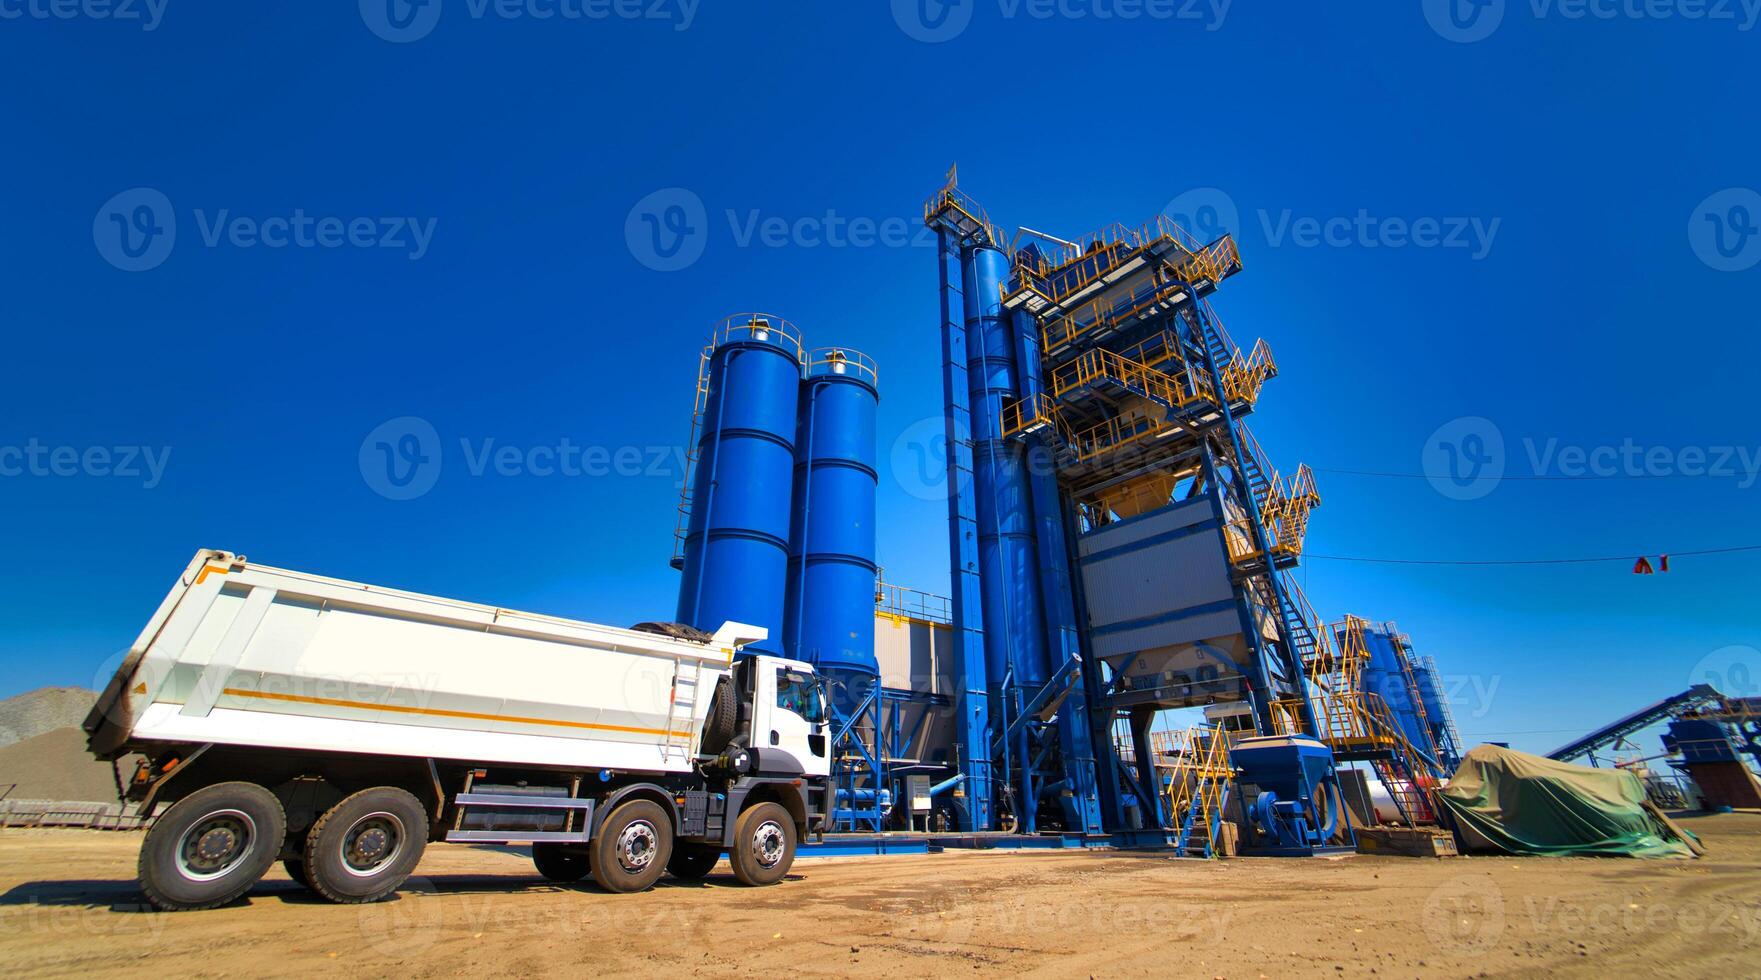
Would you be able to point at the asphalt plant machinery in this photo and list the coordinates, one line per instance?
(1119, 544)
(776, 528)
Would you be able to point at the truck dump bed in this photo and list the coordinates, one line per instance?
(244, 654)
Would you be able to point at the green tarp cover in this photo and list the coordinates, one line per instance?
(1526, 804)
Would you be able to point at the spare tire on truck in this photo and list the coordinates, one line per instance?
(678, 631)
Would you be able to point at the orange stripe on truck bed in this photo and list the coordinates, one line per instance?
(444, 713)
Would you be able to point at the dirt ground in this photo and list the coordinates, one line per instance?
(68, 906)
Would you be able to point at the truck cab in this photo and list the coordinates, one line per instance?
(788, 726)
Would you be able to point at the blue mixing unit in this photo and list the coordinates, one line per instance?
(829, 604)
(736, 546)
(1296, 798)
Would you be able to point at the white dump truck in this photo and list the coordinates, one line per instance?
(340, 727)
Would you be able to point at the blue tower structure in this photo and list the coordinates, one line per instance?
(735, 512)
(1119, 544)
(829, 607)
(829, 604)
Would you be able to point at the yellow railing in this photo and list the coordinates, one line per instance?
(1284, 505)
(1104, 365)
(760, 327)
(1193, 762)
(1030, 413)
(903, 604)
(842, 361)
(951, 199)
(1243, 376)
(1116, 432)
(1110, 247)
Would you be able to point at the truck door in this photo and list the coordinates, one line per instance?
(789, 713)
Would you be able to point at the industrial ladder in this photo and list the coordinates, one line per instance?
(700, 403)
(1195, 778)
(682, 708)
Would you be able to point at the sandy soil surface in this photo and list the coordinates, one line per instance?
(68, 906)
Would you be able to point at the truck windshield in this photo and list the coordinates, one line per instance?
(799, 693)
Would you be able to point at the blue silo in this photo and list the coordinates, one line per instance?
(1014, 635)
(829, 606)
(1443, 736)
(736, 553)
(1385, 676)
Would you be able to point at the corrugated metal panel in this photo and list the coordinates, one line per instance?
(914, 655)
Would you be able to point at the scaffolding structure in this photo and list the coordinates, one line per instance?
(1123, 399)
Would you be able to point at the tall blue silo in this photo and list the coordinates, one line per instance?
(1424, 673)
(1014, 636)
(829, 605)
(736, 554)
(1385, 676)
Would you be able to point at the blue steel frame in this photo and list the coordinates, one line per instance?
(1293, 668)
(972, 702)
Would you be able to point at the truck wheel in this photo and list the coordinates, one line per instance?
(211, 847)
(764, 845)
(560, 863)
(633, 847)
(363, 848)
(297, 871)
(693, 862)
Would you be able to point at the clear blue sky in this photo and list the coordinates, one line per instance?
(526, 315)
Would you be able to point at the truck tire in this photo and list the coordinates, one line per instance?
(633, 847)
(296, 869)
(722, 723)
(363, 848)
(693, 862)
(678, 631)
(211, 846)
(560, 863)
(764, 845)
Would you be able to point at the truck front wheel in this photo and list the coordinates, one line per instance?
(212, 846)
(764, 845)
(633, 847)
(363, 848)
